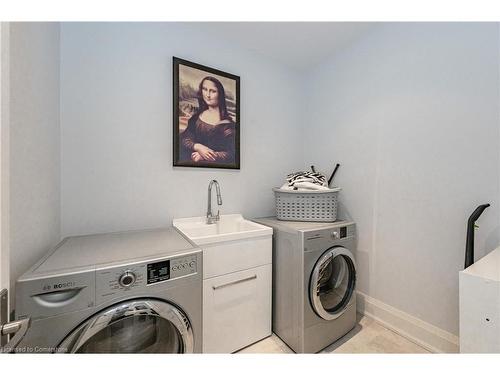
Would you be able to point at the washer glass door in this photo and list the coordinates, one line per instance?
(137, 326)
(332, 284)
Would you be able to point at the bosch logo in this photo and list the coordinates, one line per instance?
(48, 287)
(69, 284)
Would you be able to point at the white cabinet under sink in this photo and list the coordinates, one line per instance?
(236, 309)
(237, 280)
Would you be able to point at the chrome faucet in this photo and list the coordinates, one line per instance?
(211, 219)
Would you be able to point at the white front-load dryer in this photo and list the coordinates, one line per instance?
(314, 282)
(129, 292)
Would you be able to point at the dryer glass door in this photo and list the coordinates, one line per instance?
(332, 283)
(137, 326)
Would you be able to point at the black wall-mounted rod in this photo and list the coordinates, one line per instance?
(333, 174)
(469, 243)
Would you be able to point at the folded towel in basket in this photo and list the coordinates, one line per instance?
(305, 181)
(310, 186)
(313, 177)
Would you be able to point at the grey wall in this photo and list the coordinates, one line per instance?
(116, 119)
(412, 113)
(34, 143)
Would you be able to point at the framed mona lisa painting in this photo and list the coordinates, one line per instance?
(206, 112)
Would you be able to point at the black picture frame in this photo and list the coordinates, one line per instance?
(222, 139)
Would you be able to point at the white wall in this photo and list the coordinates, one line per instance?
(116, 120)
(411, 112)
(34, 143)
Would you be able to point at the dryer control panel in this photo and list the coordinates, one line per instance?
(335, 235)
(136, 278)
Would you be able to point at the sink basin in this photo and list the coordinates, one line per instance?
(228, 228)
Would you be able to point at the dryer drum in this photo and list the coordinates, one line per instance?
(136, 326)
(332, 283)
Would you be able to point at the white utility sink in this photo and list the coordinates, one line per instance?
(228, 228)
(237, 261)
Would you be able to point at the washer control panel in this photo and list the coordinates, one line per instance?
(170, 269)
(337, 233)
(121, 280)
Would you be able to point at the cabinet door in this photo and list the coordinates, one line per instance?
(233, 256)
(236, 309)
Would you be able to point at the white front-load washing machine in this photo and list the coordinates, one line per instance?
(128, 292)
(314, 281)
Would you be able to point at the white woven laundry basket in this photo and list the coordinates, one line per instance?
(301, 205)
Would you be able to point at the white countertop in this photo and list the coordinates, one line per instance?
(488, 267)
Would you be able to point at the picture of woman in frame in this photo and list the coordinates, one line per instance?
(206, 113)
(210, 134)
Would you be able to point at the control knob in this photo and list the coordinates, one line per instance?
(127, 279)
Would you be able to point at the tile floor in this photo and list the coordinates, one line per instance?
(367, 337)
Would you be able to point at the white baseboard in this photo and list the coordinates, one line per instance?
(422, 333)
